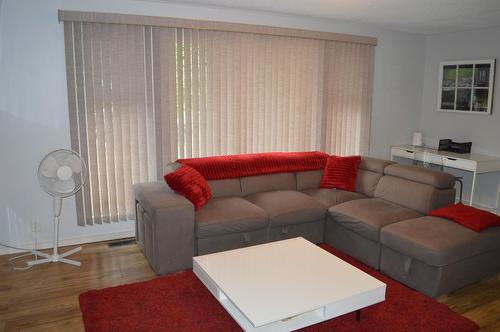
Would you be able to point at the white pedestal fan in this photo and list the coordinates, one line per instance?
(61, 174)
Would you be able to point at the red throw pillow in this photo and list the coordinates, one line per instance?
(187, 182)
(467, 216)
(340, 173)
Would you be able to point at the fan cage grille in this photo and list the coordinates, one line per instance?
(47, 183)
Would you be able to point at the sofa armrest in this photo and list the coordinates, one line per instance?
(165, 226)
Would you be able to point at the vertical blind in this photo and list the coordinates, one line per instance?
(111, 105)
(239, 92)
(143, 96)
(347, 99)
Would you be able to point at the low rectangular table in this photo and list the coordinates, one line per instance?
(286, 285)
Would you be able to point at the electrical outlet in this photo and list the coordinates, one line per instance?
(35, 227)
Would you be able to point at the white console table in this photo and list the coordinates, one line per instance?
(472, 162)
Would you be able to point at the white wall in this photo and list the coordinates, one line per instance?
(482, 130)
(33, 102)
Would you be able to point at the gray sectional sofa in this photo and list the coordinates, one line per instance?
(382, 224)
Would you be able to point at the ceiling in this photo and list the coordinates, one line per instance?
(417, 16)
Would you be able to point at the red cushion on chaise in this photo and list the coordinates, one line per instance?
(467, 216)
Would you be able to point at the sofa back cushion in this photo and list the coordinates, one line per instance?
(366, 182)
(225, 188)
(439, 180)
(369, 173)
(309, 179)
(415, 187)
(414, 195)
(270, 182)
(374, 165)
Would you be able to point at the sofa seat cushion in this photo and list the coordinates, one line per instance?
(286, 207)
(269, 182)
(367, 216)
(330, 197)
(437, 241)
(227, 215)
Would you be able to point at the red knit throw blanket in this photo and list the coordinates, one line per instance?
(240, 165)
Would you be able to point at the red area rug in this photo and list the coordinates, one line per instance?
(180, 302)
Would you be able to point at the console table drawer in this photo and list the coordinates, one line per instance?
(409, 154)
(430, 158)
(465, 164)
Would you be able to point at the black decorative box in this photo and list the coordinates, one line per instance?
(449, 145)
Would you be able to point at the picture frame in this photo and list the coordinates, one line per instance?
(466, 86)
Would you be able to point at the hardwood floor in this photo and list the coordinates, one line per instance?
(479, 302)
(45, 298)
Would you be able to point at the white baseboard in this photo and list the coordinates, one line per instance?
(70, 241)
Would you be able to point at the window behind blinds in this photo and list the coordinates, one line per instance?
(142, 96)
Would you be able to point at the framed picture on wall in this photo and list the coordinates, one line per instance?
(466, 86)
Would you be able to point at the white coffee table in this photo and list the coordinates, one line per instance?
(286, 285)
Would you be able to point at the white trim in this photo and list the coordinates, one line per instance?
(464, 112)
(70, 241)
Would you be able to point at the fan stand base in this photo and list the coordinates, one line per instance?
(55, 258)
